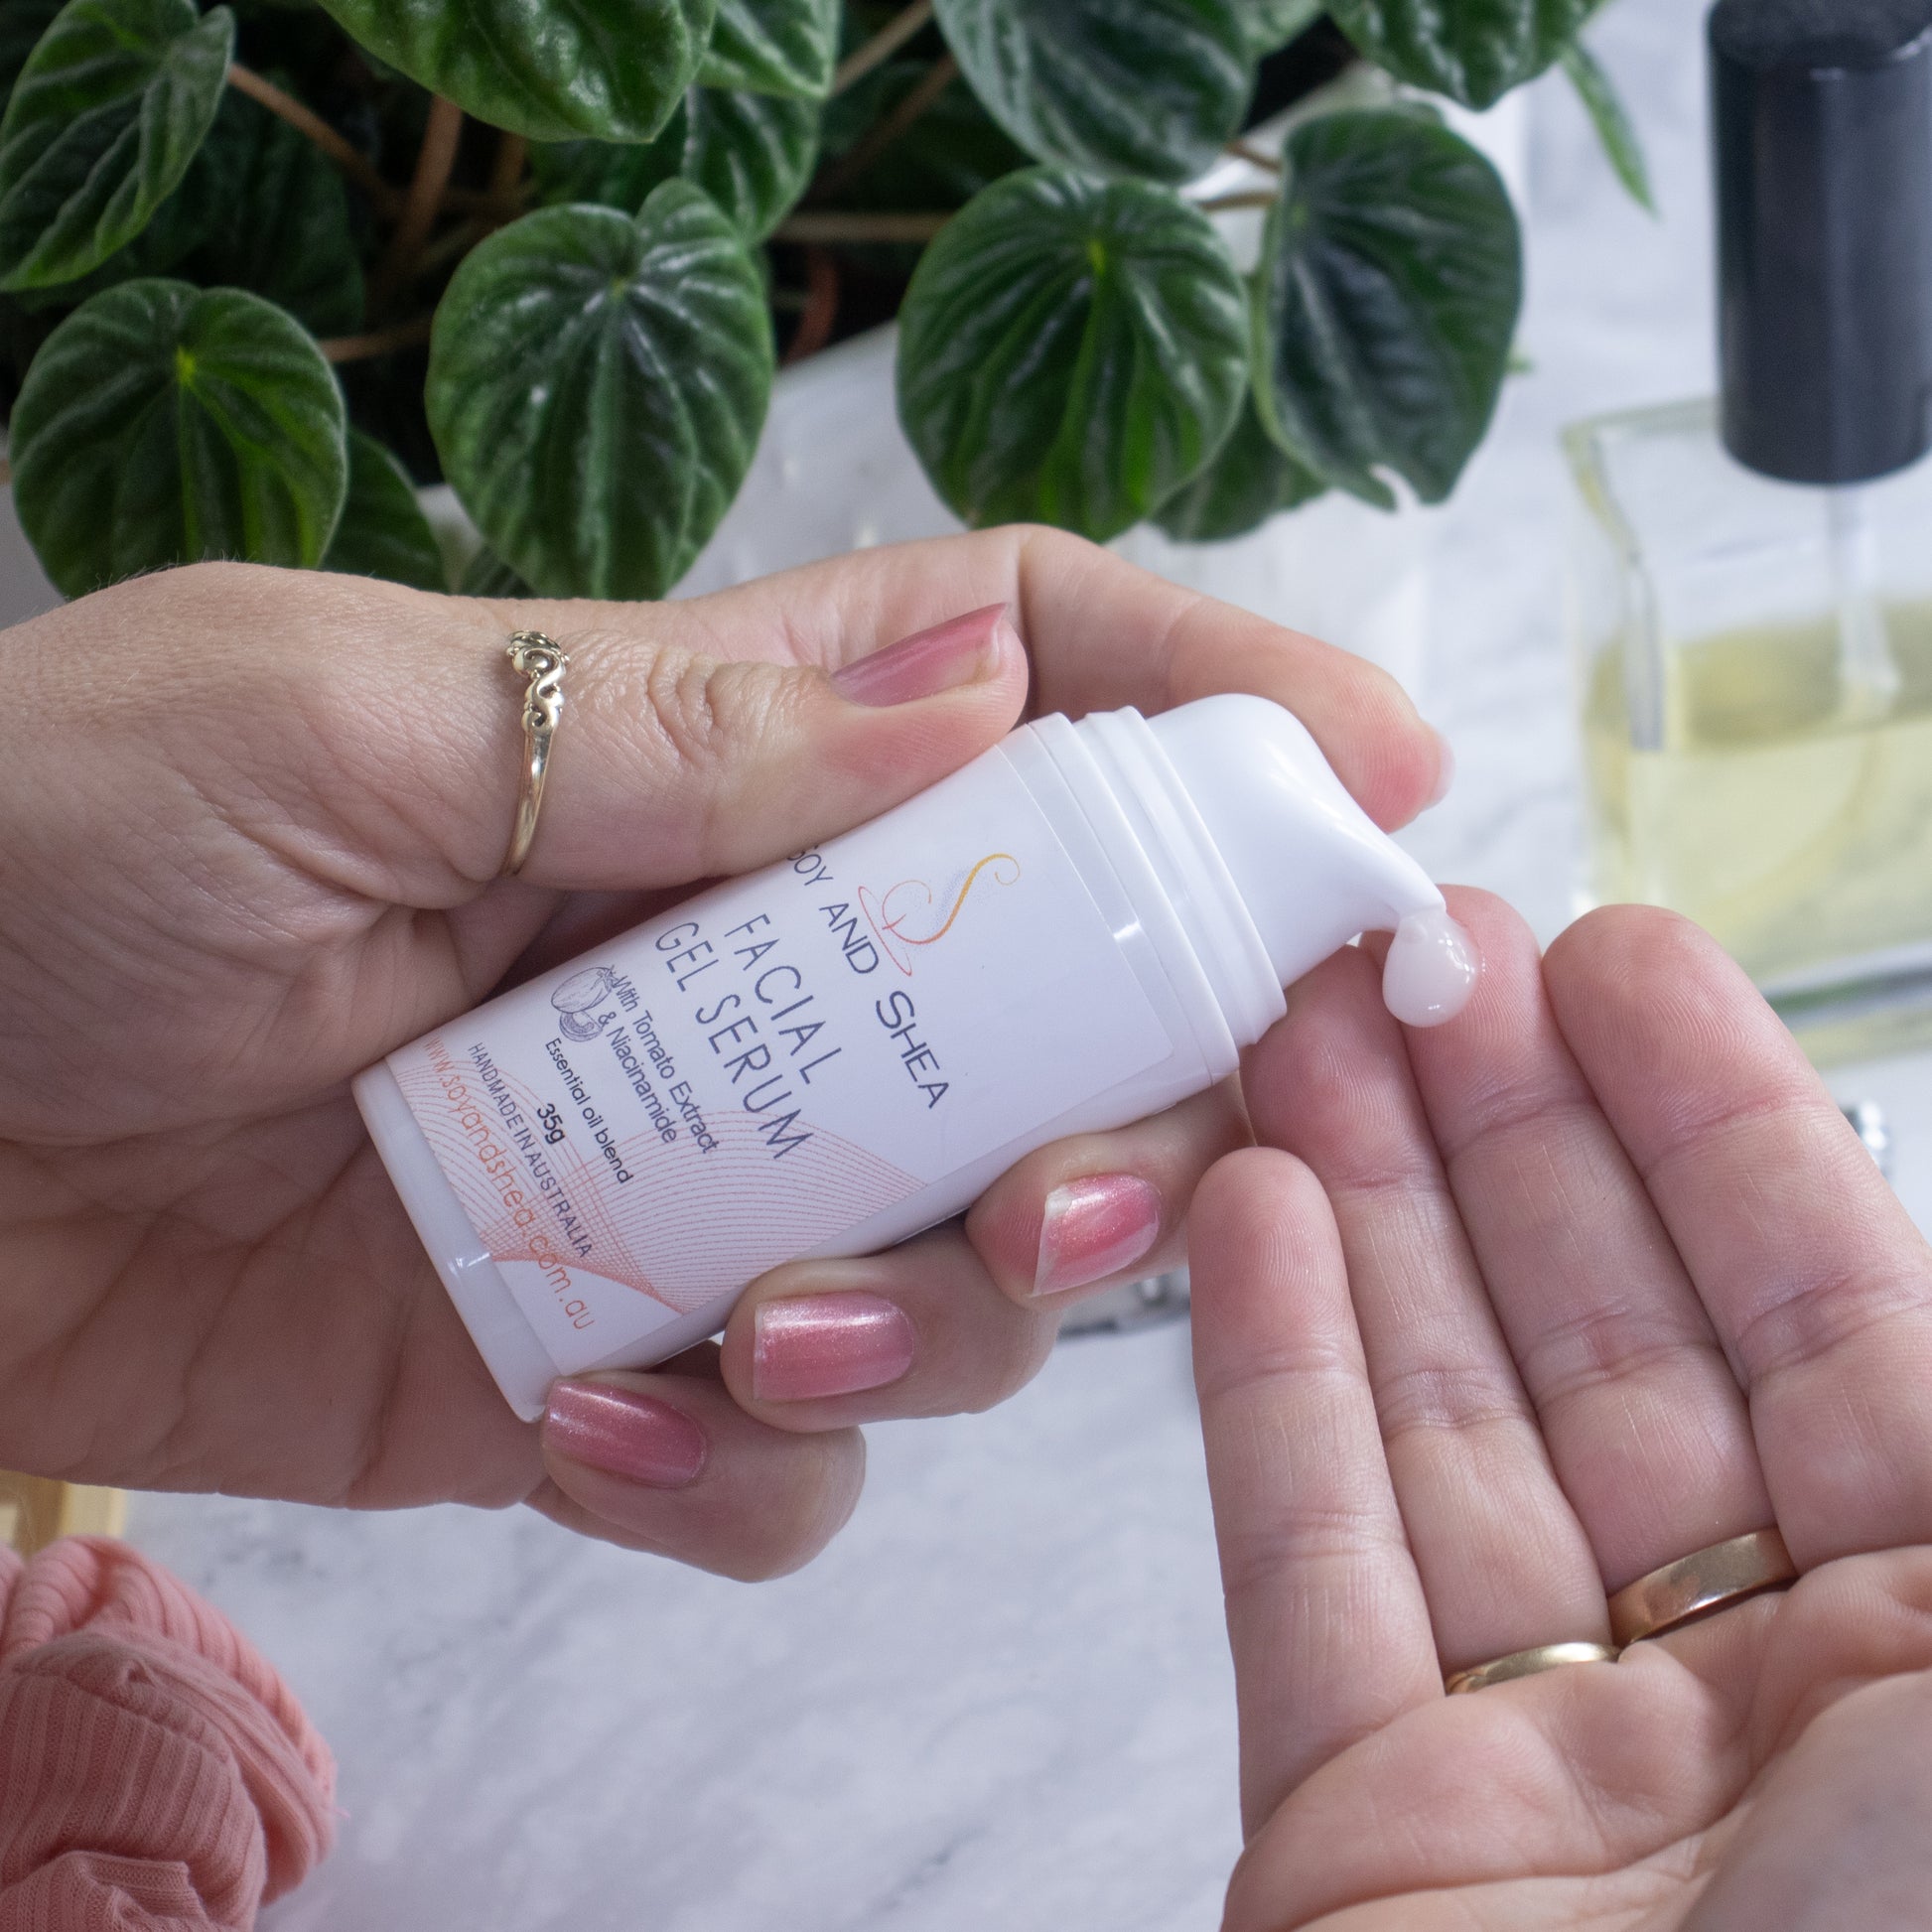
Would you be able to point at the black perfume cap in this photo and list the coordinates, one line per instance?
(1822, 116)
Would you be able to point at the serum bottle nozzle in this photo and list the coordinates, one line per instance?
(1309, 864)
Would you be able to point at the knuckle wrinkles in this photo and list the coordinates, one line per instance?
(681, 706)
(1605, 1346)
(1446, 1396)
(1502, 1109)
(1820, 1315)
(1317, 1361)
(1297, 1536)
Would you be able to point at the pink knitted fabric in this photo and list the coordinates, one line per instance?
(155, 1775)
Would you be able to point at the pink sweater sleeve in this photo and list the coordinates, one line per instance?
(156, 1774)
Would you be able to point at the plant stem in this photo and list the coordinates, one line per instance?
(378, 342)
(1248, 198)
(434, 160)
(809, 226)
(507, 169)
(1255, 157)
(351, 160)
(882, 45)
(854, 163)
(821, 306)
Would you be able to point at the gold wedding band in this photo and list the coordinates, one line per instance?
(1695, 1585)
(535, 659)
(1527, 1663)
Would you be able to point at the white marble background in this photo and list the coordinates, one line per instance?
(1002, 1700)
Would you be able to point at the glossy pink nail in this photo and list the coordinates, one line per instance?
(925, 664)
(625, 1434)
(1094, 1227)
(815, 1345)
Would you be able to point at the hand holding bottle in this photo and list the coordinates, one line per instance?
(1510, 1315)
(253, 822)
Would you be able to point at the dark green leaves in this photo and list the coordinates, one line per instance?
(1613, 128)
(773, 47)
(1473, 50)
(1071, 350)
(383, 531)
(1386, 299)
(550, 69)
(597, 384)
(160, 424)
(1248, 479)
(22, 23)
(1124, 86)
(279, 221)
(1273, 22)
(104, 121)
(753, 153)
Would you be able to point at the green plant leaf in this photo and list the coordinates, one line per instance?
(1070, 350)
(773, 47)
(1143, 87)
(22, 23)
(1614, 125)
(753, 153)
(554, 69)
(105, 118)
(1273, 22)
(488, 575)
(1385, 303)
(284, 228)
(383, 531)
(597, 384)
(1247, 481)
(162, 423)
(1474, 51)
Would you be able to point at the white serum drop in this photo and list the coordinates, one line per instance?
(1081, 928)
(1431, 968)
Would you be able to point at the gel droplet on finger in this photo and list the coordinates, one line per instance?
(1432, 969)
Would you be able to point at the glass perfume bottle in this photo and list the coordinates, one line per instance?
(1750, 577)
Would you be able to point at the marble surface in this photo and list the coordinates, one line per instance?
(1002, 1699)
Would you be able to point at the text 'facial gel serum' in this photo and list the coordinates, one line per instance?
(1081, 927)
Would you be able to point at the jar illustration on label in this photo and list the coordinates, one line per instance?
(579, 997)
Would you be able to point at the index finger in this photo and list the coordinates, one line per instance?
(1326, 1617)
(1102, 634)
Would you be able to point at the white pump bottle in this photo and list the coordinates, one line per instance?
(1081, 927)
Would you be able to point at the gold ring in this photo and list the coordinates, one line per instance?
(1695, 1585)
(537, 659)
(1527, 1663)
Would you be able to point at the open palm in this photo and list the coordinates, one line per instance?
(252, 821)
(1590, 1279)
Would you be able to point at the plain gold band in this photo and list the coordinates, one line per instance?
(1527, 1663)
(534, 657)
(1695, 1585)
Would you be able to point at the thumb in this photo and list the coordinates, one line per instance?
(670, 765)
(385, 725)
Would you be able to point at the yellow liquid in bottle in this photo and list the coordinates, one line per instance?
(1785, 812)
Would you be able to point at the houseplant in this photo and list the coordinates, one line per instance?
(268, 265)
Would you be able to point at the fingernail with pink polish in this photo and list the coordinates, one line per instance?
(815, 1345)
(625, 1434)
(1094, 1228)
(925, 664)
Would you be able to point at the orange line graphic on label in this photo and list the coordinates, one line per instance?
(891, 926)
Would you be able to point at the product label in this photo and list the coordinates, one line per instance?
(778, 1060)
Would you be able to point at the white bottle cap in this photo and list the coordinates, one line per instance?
(1309, 865)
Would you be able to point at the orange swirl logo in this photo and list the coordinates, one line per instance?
(895, 917)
